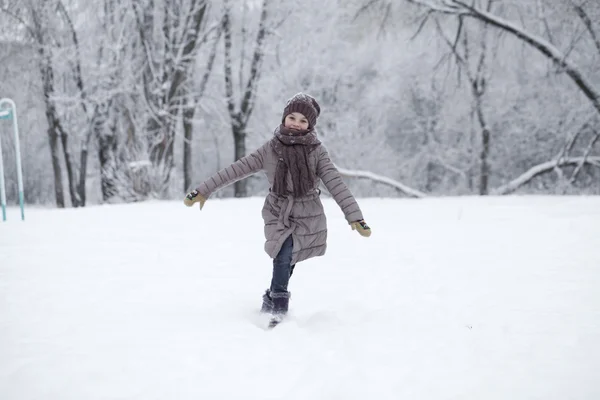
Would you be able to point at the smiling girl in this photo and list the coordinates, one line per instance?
(295, 226)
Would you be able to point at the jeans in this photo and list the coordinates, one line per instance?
(282, 268)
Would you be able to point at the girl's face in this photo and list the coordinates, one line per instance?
(296, 121)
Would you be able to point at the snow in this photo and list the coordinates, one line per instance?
(453, 298)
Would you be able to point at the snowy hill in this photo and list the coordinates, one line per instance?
(461, 298)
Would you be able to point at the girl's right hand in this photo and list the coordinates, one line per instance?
(194, 197)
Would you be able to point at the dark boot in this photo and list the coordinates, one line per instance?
(281, 301)
(267, 304)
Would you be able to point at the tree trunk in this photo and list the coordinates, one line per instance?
(71, 175)
(485, 166)
(166, 75)
(240, 116)
(105, 130)
(107, 145)
(429, 176)
(58, 186)
(83, 164)
(47, 84)
(82, 175)
(188, 116)
(76, 189)
(169, 159)
(47, 75)
(239, 142)
(484, 172)
(55, 129)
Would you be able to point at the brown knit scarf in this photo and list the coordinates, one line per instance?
(293, 148)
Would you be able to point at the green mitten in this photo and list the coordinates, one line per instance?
(362, 228)
(194, 197)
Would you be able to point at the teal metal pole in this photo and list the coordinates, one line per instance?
(2, 188)
(5, 114)
(18, 156)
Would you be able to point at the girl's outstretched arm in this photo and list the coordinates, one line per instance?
(242, 168)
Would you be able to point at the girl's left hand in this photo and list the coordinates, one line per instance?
(362, 228)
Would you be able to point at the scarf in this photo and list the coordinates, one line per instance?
(293, 148)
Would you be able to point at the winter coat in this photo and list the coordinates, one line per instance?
(304, 217)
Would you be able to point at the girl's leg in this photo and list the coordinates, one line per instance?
(282, 269)
(267, 304)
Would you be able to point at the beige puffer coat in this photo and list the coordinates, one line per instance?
(303, 217)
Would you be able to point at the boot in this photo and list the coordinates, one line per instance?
(281, 301)
(267, 304)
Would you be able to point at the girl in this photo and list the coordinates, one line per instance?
(295, 224)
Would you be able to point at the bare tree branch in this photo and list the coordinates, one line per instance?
(459, 58)
(250, 94)
(364, 8)
(243, 45)
(573, 139)
(227, 63)
(444, 8)
(482, 55)
(588, 24)
(542, 45)
(458, 32)
(573, 43)
(566, 149)
(424, 20)
(78, 75)
(585, 157)
(388, 11)
(21, 20)
(209, 67)
(145, 44)
(544, 20)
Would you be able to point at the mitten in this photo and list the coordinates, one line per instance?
(194, 197)
(362, 228)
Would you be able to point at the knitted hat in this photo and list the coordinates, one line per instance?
(305, 105)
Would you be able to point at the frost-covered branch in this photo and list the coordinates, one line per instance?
(78, 76)
(228, 74)
(29, 29)
(382, 179)
(250, 94)
(545, 47)
(570, 144)
(240, 114)
(443, 6)
(541, 169)
(585, 157)
(587, 21)
(460, 7)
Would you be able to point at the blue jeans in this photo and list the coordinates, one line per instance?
(282, 268)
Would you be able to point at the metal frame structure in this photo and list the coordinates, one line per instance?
(10, 112)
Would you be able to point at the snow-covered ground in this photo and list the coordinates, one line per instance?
(459, 298)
